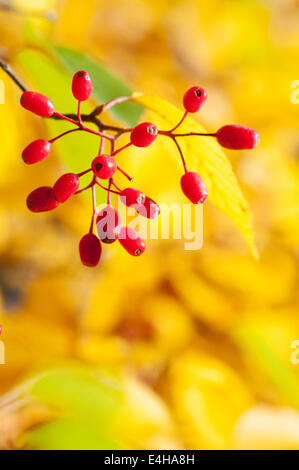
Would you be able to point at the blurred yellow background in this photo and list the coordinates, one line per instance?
(193, 348)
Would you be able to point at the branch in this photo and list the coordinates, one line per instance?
(7, 69)
(92, 117)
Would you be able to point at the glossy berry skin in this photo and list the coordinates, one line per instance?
(132, 196)
(149, 209)
(144, 134)
(131, 241)
(90, 250)
(236, 137)
(37, 103)
(42, 199)
(108, 224)
(37, 151)
(104, 167)
(194, 188)
(82, 85)
(66, 186)
(194, 99)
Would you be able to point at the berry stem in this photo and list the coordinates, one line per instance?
(189, 134)
(84, 172)
(66, 118)
(94, 204)
(181, 153)
(104, 107)
(84, 189)
(121, 149)
(79, 114)
(179, 123)
(90, 118)
(63, 134)
(109, 193)
(112, 143)
(100, 134)
(124, 173)
(106, 189)
(116, 185)
(82, 126)
(102, 144)
(115, 101)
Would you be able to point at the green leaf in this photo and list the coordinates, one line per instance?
(79, 392)
(106, 85)
(262, 354)
(75, 149)
(87, 403)
(69, 435)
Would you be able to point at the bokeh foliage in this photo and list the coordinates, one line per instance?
(176, 349)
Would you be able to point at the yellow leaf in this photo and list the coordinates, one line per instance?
(146, 422)
(203, 154)
(267, 427)
(34, 6)
(208, 398)
(9, 139)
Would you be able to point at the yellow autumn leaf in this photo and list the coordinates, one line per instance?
(200, 385)
(8, 121)
(34, 6)
(203, 154)
(267, 427)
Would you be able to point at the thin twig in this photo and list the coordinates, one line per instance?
(94, 205)
(121, 149)
(108, 193)
(84, 172)
(63, 134)
(125, 174)
(106, 189)
(179, 123)
(86, 187)
(92, 117)
(188, 134)
(7, 69)
(181, 154)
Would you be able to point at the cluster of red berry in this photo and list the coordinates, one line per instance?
(104, 167)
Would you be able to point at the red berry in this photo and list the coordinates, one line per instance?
(131, 241)
(37, 103)
(148, 209)
(36, 151)
(104, 167)
(132, 196)
(194, 99)
(108, 224)
(144, 134)
(234, 136)
(42, 199)
(82, 85)
(66, 186)
(90, 250)
(194, 188)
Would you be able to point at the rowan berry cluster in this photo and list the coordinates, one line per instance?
(104, 167)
